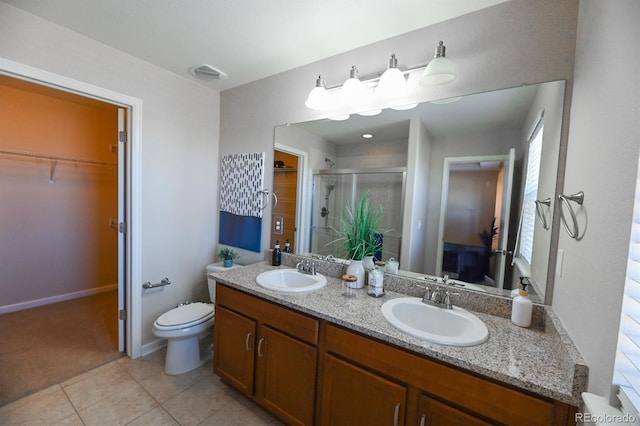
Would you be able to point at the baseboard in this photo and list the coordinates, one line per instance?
(151, 347)
(55, 299)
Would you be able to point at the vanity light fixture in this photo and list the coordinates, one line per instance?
(391, 89)
(439, 70)
(318, 97)
(367, 136)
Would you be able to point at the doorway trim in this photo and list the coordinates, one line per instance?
(133, 185)
(302, 217)
(446, 170)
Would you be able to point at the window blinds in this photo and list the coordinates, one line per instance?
(627, 365)
(528, 223)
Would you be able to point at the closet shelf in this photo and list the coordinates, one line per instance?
(53, 159)
(29, 154)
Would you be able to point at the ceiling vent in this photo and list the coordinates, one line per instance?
(207, 72)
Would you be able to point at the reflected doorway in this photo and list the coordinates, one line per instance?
(474, 221)
(284, 214)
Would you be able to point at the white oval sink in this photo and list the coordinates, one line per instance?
(290, 281)
(453, 327)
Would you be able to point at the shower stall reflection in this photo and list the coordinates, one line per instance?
(335, 191)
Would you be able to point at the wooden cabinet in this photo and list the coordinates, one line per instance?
(444, 394)
(268, 352)
(354, 396)
(307, 371)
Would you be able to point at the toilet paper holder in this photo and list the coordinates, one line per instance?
(163, 282)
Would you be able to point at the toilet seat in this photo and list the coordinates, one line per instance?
(185, 316)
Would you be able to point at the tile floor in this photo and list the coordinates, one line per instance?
(137, 392)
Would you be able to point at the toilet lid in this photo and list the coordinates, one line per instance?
(185, 314)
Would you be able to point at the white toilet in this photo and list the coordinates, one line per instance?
(184, 326)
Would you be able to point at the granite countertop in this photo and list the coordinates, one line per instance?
(536, 360)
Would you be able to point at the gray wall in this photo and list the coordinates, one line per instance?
(602, 161)
(179, 151)
(503, 46)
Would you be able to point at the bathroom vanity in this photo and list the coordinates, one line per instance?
(320, 358)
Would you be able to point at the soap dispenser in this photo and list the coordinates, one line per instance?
(521, 309)
(277, 255)
(287, 247)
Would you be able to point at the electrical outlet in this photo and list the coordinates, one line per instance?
(278, 225)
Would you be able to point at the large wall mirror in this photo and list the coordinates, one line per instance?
(467, 185)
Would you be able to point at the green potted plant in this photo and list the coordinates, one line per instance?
(227, 255)
(359, 235)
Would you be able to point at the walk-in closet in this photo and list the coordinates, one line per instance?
(58, 227)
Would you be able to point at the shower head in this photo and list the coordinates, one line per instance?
(330, 188)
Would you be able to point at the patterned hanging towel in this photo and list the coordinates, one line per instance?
(241, 179)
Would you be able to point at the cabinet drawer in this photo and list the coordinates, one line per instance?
(290, 322)
(478, 395)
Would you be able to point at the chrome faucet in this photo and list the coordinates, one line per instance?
(439, 296)
(306, 267)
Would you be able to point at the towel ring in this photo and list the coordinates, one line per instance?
(577, 198)
(265, 197)
(540, 212)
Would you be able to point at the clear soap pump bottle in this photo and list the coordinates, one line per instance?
(521, 309)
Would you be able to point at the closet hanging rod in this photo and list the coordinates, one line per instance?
(29, 154)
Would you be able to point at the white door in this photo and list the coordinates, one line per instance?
(122, 140)
(507, 188)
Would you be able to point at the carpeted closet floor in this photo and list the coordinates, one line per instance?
(48, 344)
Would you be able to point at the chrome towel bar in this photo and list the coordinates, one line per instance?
(162, 283)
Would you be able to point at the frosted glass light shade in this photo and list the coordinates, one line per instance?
(392, 82)
(318, 98)
(352, 92)
(439, 71)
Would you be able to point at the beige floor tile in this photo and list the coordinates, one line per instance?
(148, 366)
(156, 417)
(163, 387)
(108, 380)
(198, 402)
(70, 421)
(119, 408)
(45, 407)
(235, 413)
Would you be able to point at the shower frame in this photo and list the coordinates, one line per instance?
(353, 172)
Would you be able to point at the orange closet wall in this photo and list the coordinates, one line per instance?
(55, 238)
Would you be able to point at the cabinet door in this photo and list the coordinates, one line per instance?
(435, 413)
(233, 353)
(353, 396)
(286, 376)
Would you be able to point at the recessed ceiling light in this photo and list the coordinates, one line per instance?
(367, 135)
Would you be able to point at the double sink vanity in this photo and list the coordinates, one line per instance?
(295, 345)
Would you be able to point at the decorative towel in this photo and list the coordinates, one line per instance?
(241, 179)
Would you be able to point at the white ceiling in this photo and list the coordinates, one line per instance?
(246, 39)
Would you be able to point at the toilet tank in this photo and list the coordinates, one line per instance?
(211, 283)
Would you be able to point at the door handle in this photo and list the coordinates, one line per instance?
(260, 342)
(503, 252)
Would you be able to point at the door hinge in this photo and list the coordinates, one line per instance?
(122, 227)
(122, 136)
(122, 314)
